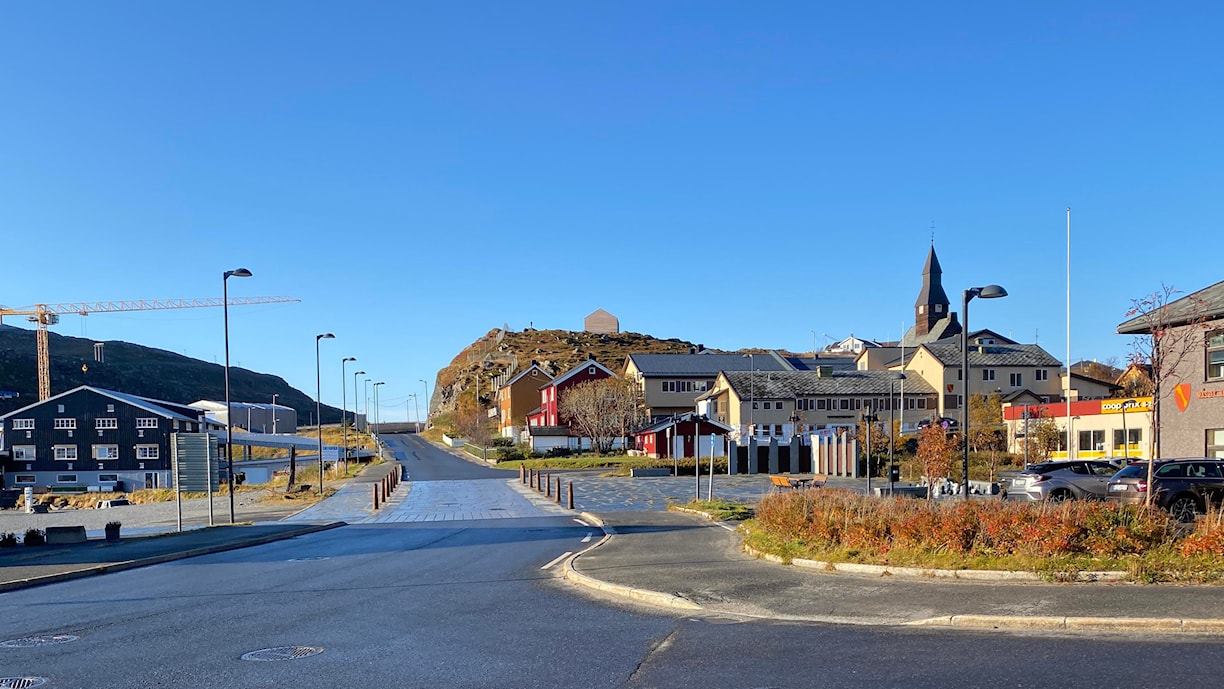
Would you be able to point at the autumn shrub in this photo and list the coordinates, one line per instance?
(1207, 538)
(839, 520)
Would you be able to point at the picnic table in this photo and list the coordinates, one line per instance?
(780, 481)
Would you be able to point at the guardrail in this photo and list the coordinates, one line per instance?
(481, 453)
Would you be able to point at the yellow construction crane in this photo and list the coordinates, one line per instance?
(44, 315)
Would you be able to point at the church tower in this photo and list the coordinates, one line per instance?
(932, 304)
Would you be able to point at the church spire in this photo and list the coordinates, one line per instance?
(932, 303)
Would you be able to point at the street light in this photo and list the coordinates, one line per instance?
(355, 374)
(365, 384)
(319, 402)
(426, 399)
(892, 469)
(344, 407)
(987, 292)
(377, 420)
(416, 412)
(274, 413)
(869, 419)
(229, 412)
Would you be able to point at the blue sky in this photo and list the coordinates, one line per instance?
(738, 174)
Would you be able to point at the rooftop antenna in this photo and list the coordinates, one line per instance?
(932, 233)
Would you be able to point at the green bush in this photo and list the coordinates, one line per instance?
(34, 537)
(8, 539)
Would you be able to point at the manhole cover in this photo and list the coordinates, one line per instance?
(310, 559)
(33, 641)
(21, 682)
(282, 653)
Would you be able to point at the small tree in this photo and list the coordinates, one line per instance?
(1168, 336)
(986, 430)
(937, 450)
(601, 409)
(1043, 437)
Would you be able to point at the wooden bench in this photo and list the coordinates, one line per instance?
(780, 481)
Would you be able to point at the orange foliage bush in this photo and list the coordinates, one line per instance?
(836, 519)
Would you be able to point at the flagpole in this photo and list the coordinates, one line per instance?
(1067, 391)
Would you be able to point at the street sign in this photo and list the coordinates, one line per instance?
(331, 453)
(195, 461)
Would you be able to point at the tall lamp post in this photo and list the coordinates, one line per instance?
(987, 292)
(869, 419)
(416, 411)
(355, 398)
(426, 400)
(892, 407)
(344, 407)
(319, 402)
(377, 414)
(229, 411)
(365, 384)
(274, 413)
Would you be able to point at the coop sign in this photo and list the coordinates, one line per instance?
(1116, 406)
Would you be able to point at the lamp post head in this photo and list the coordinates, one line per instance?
(325, 336)
(898, 376)
(987, 292)
(348, 358)
(358, 373)
(381, 382)
(236, 273)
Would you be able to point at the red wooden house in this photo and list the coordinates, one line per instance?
(551, 392)
(674, 437)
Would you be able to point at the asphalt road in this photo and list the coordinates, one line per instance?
(476, 603)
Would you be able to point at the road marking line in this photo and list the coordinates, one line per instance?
(588, 538)
(560, 557)
(582, 522)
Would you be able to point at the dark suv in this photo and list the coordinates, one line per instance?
(1184, 487)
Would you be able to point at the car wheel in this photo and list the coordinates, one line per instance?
(1183, 508)
(1061, 495)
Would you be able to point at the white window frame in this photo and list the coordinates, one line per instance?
(66, 478)
(95, 450)
(64, 453)
(105, 423)
(23, 424)
(64, 424)
(25, 478)
(146, 422)
(988, 375)
(25, 453)
(146, 452)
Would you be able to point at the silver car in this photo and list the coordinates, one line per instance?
(1063, 480)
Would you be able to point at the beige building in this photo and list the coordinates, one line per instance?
(782, 403)
(994, 367)
(600, 321)
(517, 397)
(1100, 428)
(671, 383)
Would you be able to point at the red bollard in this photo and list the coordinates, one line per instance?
(522, 476)
(557, 496)
(548, 486)
(375, 498)
(531, 478)
(571, 495)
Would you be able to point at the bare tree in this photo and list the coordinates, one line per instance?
(472, 423)
(601, 410)
(937, 450)
(1168, 331)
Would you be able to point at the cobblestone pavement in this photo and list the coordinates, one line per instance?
(428, 501)
(623, 494)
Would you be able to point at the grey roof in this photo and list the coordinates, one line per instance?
(1206, 303)
(704, 364)
(787, 384)
(1019, 355)
(149, 405)
(945, 328)
(807, 363)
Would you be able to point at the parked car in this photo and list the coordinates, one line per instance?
(1063, 480)
(1184, 487)
(945, 421)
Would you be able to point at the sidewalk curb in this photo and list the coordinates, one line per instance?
(165, 557)
(669, 600)
(921, 573)
(1208, 626)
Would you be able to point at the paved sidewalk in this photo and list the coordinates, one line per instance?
(685, 561)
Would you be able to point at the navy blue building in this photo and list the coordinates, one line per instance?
(90, 438)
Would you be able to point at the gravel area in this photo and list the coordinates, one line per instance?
(154, 517)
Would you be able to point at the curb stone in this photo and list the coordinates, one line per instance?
(669, 600)
(165, 557)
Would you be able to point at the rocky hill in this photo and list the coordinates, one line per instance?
(504, 353)
(137, 370)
